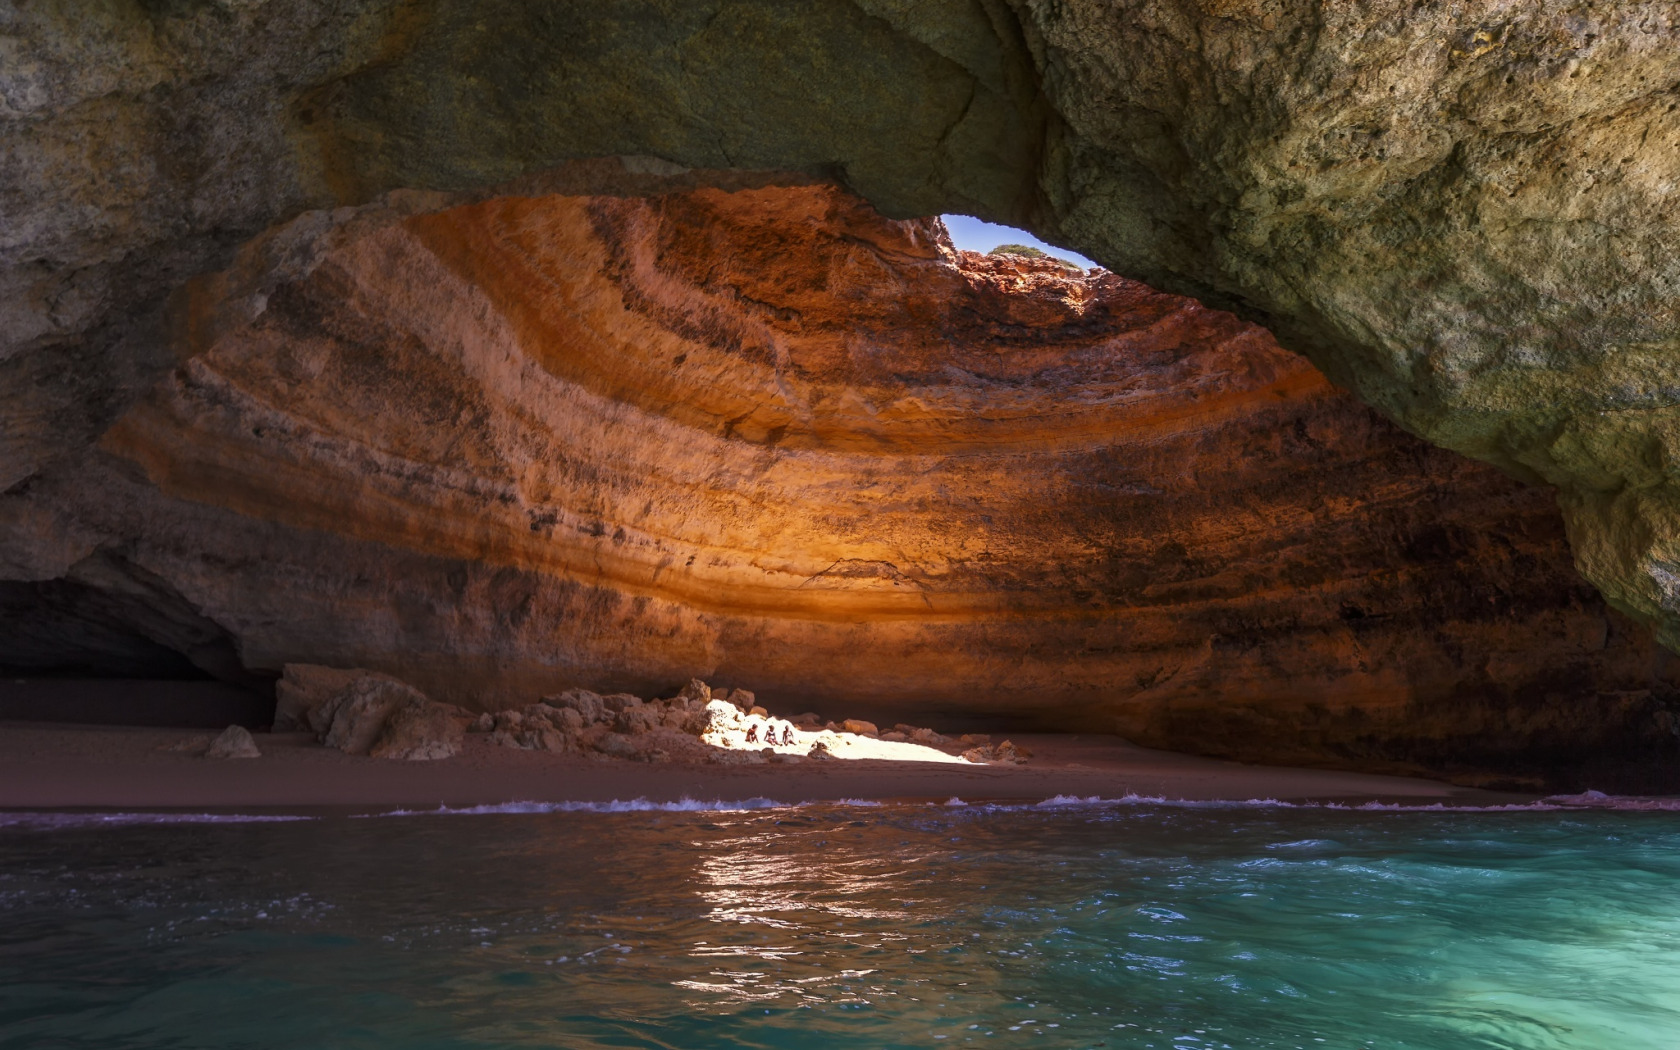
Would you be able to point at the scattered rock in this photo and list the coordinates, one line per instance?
(696, 691)
(588, 705)
(698, 724)
(545, 739)
(639, 719)
(484, 723)
(720, 716)
(617, 745)
(1006, 753)
(974, 739)
(235, 742)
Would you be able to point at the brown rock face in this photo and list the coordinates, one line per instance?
(1463, 212)
(771, 438)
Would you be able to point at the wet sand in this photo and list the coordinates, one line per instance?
(46, 766)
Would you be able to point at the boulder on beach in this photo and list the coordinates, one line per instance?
(420, 730)
(235, 742)
(590, 706)
(302, 689)
(1005, 753)
(696, 691)
(617, 745)
(860, 727)
(356, 716)
(639, 719)
(363, 712)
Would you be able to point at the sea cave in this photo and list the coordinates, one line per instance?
(840, 481)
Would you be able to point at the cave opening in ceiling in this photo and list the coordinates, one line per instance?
(977, 235)
(768, 437)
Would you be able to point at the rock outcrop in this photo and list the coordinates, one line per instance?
(534, 442)
(1463, 212)
(362, 712)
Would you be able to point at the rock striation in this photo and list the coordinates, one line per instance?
(1462, 212)
(534, 442)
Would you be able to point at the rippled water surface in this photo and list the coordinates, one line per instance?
(894, 926)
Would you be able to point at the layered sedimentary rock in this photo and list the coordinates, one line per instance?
(773, 439)
(1463, 212)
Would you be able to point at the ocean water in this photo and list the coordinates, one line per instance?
(1130, 925)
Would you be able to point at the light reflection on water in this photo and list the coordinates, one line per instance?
(814, 927)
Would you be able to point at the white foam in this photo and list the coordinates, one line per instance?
(50, 821)
(637, 805)
(1552, 804)
(1599, 800)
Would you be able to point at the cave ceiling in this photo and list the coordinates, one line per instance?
(1460, 213)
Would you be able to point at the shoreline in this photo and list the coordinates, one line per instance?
(121, 768)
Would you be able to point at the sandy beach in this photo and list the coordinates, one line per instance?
(44, 766)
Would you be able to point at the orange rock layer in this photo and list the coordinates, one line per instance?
(771, 439)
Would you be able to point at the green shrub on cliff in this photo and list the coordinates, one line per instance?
(1030, 252)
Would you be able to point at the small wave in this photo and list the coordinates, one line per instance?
(637, 805)
(1551, 804)
(1098, 801)
(38, 821)
(1599, 800)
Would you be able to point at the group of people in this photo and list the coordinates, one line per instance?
(770, 734)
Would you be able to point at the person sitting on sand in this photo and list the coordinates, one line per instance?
(787, 734)
(752, 733)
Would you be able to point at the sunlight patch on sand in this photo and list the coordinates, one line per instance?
(730, 728)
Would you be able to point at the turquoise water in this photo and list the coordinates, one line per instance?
(1115, 926)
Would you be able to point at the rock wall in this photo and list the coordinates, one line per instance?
(1461, 212)
(773, 439)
